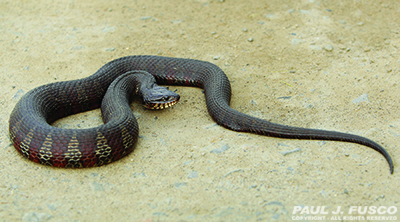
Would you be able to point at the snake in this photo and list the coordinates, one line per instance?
(112, 88)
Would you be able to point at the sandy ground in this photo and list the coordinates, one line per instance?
(320, 64)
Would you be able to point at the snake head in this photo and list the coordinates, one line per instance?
(158, 97)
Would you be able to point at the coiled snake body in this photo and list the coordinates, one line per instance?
(34, 138)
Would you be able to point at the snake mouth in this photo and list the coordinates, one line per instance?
(162, 104)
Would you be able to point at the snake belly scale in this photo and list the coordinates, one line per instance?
(35, 139)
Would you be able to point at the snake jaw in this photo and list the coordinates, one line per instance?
(161, 104)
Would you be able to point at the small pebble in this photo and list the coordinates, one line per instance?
(146, 17)
(244, 30)
(216, 57)
(362, 98)
(250, 39)
(328, 48)
(233, 171)
(290, 151)
(221, 149)
(366, 49)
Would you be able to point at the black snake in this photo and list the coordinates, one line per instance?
(34, 138)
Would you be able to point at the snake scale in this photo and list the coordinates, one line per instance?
(34, 137)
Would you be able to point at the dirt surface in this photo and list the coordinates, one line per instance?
(320, 64)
